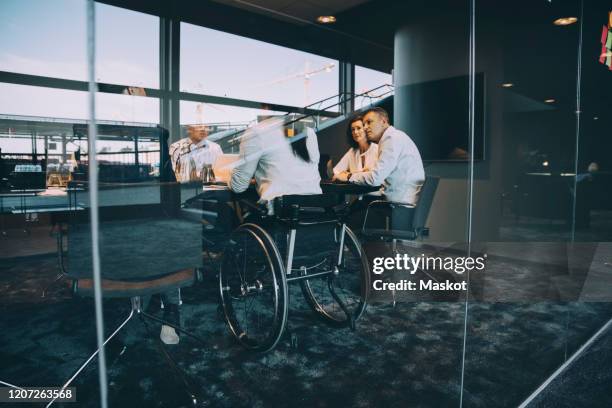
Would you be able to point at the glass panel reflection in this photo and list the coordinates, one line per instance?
(530, 309)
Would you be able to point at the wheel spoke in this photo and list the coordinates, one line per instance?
(347, 283)
(254, 265)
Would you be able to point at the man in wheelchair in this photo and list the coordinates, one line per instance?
(264, 255)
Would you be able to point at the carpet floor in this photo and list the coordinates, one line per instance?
(407, 355)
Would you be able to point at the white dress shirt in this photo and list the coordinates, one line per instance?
(189, 158)
(351, 161)
(266, 154)
(399, 168)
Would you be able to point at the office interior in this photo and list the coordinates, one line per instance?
(510, 106)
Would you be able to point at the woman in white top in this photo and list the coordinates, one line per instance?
(281, 165)
(362, 155)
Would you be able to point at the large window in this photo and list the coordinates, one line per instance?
(371, 85)
(127, 47)
(127, 108)
(39, 101)
(27, 100)
(43, 38)
(221, 64)
(222, 120)
(367, 79)
(209, 113)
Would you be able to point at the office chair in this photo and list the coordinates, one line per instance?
(143, 251)
(400, 221)
(392, 221)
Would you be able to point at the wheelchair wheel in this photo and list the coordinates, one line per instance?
(350, 281)
(253, 288)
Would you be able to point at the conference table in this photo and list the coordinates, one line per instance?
(208, 201)
(221, 191)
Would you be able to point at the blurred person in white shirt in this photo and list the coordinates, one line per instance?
(281, 165)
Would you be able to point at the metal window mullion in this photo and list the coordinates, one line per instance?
(346, 87)
(169, 62)
(68, 84)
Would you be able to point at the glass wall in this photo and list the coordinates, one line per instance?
(535, 202)
(507, 102)
(46, 209)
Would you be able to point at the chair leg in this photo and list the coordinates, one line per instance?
(60, 276)
(174, 326)
(82, 367)
(180, 373)
(60, 262)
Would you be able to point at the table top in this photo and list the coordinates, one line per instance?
(20, 193)
(347, 188)
(221, 190)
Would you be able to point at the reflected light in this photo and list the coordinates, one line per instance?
(551, 100)
(507, 85)
(564, 21)
(326, 19)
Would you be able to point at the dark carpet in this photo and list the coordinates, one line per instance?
(408, 355)
(586, 383)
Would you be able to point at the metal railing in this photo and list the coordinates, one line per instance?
(324, 112)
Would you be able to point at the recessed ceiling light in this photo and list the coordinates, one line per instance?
(507, 85)
(551, 100)
(326, 19)
(564, 21)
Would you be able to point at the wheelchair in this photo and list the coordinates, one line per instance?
(305, 241)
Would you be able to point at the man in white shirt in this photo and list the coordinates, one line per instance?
(399, 168)
(189, 155)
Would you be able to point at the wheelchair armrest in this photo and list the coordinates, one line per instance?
(306, 210)
(341, 210)
(389, 204)
(258, 209)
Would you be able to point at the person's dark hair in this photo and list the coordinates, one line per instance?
(300, 149)
(349, 133)
(379, 111)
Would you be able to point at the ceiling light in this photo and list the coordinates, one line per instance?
(564, 21)
(507, 85)
(326, 19)
(551, 100)
(545, 163)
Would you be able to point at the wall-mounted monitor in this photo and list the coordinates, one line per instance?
(435, 115)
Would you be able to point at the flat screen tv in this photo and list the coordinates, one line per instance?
(437, 118)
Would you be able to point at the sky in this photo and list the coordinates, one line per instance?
(127, 53)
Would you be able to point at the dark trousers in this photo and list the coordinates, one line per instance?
(357, 211)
